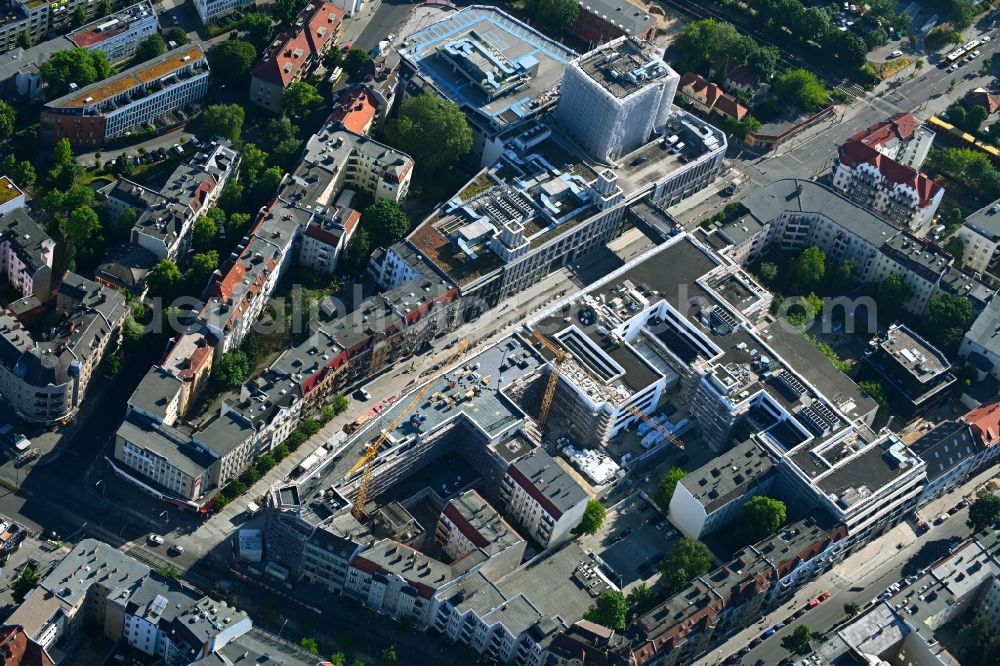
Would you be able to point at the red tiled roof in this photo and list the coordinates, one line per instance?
(17, 649)
(355, 110)
(982, 97)
(315, 28)
(854, 153)
(901, 126)
(710, 95)
(985, 424)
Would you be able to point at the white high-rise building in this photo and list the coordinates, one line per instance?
(615, 97)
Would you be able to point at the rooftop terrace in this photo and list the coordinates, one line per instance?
(141, 75)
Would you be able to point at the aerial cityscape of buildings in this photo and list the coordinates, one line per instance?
(633, 378)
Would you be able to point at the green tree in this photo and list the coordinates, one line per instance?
(203, 264)
(79, 16)
(640, 600)
(432, 130)
(24, 583)
(326, 414)
(852, 52)
(851, 609)
(338, 659)
(956, 248)
(808, 269)
(224, 120)
(339, 403)
(253, 162)
(165, 280)
(206, 233)
(310, 427)
(609, 610)
(150, 47)
(389, 656)
(358, 251)
(334, 58)
(801, 89)
(961, 14)
(385, 221)
(24, 40)
(23, 173)
(877, 393)
(892, 293)
(82, 225)
(975, 118)
(309, 645)
(231, 198)
(985, 511)
(287, 10)
(768, 273)
(948, 318)
(232, 369)
(300, 98)
(667, 486)
(554, 15)
(281, 452)
(593, 517)
(176, 35)
(762, 516)
(354, 60)
(78, 66)
(259, 29)
(8, 120)
(123, 167)
(269, 181)
(266, 463)
(238, 224)
(231, 61)
(798, 641)
(686, 561)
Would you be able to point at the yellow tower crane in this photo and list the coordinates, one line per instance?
(550, 388)
(671, 437)
(368, 457)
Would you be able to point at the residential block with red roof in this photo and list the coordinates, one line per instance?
(293, 53)
(985, 424)
(708, 97)
(866, 174)
(355, 110)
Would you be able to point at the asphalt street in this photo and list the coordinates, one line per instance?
(387, 17)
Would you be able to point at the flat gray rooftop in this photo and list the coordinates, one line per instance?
(511, 39)
(623, 67)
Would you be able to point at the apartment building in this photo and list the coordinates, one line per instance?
(469, 523)
(949, 450)
(791, 215)
(980, 234)
(915, 374)
(600, 21)
(542, 498)
(21, 650)
(714, 494)
(897, 192)
(294, 53)
(985, 424)
(36, 18)
(899, 138)
(325, 241)
(213, 11)
(93, 115)
(26, 251)
(119, 33)
(45, 381)
(356, 110)
(127, 601)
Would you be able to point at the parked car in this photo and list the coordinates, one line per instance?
(176, 549)
(896, 54)
(155, 539)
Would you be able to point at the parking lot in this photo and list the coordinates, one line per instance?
(632, 541)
